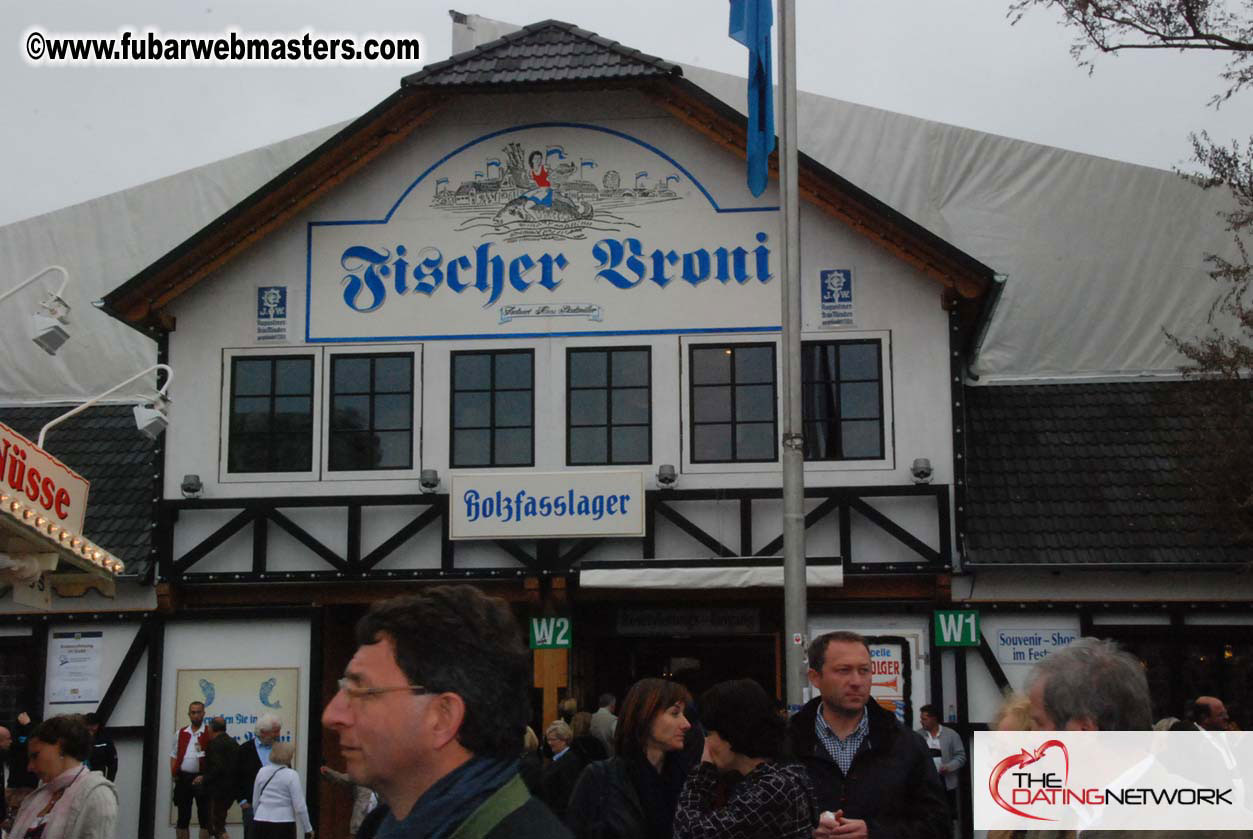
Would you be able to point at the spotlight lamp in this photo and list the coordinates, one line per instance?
(192, 486)
(150, 414)
(666, 475)
(53, 316)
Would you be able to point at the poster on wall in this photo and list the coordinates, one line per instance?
(890, 682)
(74, 677)
(241, 697)
(271, 314)
(837, 297)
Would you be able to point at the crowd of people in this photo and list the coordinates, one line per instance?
(661, 764)
(210, 772)
(436, 746)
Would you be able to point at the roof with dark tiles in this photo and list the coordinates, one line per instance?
(103, 445)
(549, 51)
(1085, 474)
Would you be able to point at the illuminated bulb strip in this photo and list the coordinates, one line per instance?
(49, 531)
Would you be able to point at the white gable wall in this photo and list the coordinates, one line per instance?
(892, 302)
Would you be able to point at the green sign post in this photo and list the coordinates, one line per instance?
(550, 633)
(957, 628)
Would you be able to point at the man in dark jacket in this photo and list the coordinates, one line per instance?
(103, 756)
(219, 774)
(21, 781)
(430, 715)
(561, 773)
(874, 774)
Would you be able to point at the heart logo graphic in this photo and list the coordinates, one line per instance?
(1025, 758)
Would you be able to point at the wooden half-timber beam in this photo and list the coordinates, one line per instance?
(691, 529)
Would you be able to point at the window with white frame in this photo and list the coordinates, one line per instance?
(843, 400)
(608, 406)
(733, 406)
(271, 414)
(371, 412)
(493, 408)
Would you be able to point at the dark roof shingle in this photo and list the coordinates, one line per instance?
(1086, 474)
(549, 51)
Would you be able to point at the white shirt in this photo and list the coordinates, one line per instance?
(191, 757)
(933, 743)
(278, 797)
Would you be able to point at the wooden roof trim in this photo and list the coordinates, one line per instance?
(293, 206)
(968, 282)
(232, 237)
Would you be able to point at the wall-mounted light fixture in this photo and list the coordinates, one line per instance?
(53, 315)
(191, 486)
(666, 475)
(150, 415)
(428, 480)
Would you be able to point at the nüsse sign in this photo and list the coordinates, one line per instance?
(41, 481)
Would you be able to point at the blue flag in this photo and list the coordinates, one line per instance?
(750, 25)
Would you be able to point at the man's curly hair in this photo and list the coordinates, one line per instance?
(458, 640)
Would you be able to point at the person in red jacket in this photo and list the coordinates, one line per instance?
(187, 770)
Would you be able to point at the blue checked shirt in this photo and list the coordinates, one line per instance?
(842, 751)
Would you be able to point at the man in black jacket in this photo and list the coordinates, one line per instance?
(430, 715)
(103, 756)
(871, 772)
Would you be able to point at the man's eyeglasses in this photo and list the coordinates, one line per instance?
(355, 693)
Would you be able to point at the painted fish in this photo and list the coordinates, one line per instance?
(206, 687)
(266, 688)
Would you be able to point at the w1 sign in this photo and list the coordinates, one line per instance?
(959, 628)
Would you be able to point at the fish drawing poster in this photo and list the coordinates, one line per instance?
(241, 697)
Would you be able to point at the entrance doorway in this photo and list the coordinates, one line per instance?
(1182, 663)
(696, 663)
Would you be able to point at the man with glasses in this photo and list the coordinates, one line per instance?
(430, 714)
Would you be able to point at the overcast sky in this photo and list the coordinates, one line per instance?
(73, 133)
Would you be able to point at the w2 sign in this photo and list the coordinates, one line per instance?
(550, 633)
(957, 628)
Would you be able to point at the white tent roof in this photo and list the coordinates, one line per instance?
(103, 243)
(1101, 256)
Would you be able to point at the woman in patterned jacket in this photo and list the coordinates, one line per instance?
(744, 735)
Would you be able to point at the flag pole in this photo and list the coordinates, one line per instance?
(795, 612)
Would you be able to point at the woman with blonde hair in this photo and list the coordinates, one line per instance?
(278, 799)
(1013, 715)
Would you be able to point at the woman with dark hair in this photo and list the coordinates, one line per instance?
(744, 735)
(73, 802)
(633, 795)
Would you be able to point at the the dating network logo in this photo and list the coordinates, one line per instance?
(1026, 787)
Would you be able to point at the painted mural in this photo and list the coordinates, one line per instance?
(545, 193)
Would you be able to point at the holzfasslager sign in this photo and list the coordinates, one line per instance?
(556, 229)
(547, 505)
